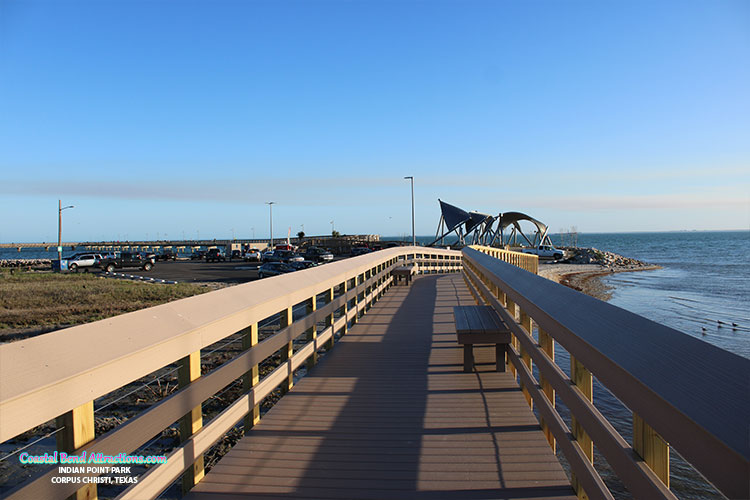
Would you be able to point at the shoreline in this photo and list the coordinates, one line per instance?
(585, 278)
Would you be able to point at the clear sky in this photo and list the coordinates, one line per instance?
(182, 118)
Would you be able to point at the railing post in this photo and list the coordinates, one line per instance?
(329, 319)
(251, 378)
(286, 352)
(312, 333)
(547, 344)
(188, 371)
(345, 308)
(583, 380)
(77, 429)
(511, 307)
(526, 325)
(652, 448)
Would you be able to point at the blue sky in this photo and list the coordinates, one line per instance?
(183, 118)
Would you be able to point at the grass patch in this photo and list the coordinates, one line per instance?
(39, 300)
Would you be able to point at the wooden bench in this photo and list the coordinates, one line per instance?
(480, 325)
(404, 272)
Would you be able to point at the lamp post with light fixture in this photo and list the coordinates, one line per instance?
(270, 212)
(60, 209)
(413, 234)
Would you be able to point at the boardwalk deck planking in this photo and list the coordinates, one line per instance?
(389, 413)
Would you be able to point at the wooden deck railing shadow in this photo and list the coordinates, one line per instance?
(59, 375)
(376, 393)
(683, 392)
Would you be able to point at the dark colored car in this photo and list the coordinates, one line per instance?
(166, 255)
(360, 251)
(215, 255)
(126, 259)
(318, 254)
(198, 255)
(236, 254)
(304, 264)
(274, 269)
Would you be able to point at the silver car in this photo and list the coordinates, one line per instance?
(83, 260)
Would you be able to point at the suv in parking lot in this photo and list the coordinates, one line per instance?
(274, 269)
(317, 254)
(215, 255)
(84, 260)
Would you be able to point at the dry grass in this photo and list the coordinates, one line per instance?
(39, 300)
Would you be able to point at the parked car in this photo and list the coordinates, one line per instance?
(267, 256)
(318, 254)
(274, 269)
(303, 264)
(198, 255)
(236, 254)
(284, 246)
(287, 256)
(84, 260)
(545, 252)
(360, 251)
(126, 259)
(166, 255)
(215, 255)
(252, 256)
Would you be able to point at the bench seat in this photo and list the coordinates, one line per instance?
(405, 272)
(481, 325)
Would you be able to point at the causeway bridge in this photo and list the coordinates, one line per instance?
(184, 245)
(372, 394)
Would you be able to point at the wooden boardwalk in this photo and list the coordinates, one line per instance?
(388, 413)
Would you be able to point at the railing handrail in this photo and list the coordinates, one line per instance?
(45, 376)
(527, 261)
(692, 393)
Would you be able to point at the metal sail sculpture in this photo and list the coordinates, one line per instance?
(476, 228)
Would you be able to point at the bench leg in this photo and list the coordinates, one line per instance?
(468, 358)
(500, 357)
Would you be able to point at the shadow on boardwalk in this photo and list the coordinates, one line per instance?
(390, 414)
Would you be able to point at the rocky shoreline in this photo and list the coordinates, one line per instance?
(584, 266)
(29, 264)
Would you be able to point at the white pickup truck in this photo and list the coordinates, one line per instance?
(545, 251)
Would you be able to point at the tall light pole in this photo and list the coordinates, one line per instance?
(60, 209)
(331, 228)
(413, 234)
(270, 212)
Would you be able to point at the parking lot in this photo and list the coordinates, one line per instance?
(191, 271)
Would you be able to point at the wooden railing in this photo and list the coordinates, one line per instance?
(526, 261)
(683, 392)
(60, 374)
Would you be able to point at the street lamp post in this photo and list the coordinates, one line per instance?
(270, 212)
(413, 234)
(60, 209)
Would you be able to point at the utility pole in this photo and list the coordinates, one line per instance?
(270, 211)
(60, 209)
(413, 234)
